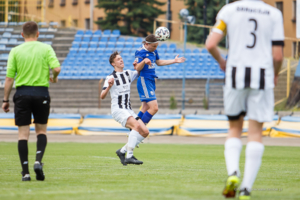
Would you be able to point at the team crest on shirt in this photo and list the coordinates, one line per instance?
(152, 66)
(147, 54)
(151, 92)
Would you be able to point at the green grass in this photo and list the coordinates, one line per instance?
(93, 171)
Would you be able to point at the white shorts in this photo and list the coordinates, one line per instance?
(257, 104)
(121, 115)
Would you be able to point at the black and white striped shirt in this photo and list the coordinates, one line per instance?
(253, 27)
(120, 91)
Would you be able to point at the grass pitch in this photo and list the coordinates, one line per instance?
(93, 171)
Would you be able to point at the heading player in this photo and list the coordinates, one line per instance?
(256, 40)
(146, 60)
(118, 83)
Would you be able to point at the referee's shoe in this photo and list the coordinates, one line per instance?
(38, 168)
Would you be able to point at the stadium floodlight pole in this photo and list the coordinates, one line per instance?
(91, 14)
(184, 67)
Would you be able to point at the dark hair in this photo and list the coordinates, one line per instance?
(150, 38)
(30, 29)
(113, 56)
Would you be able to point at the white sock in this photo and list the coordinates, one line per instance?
(139, 137)
(124, 149)
(132, 140)
(232, 152)
(254, 153)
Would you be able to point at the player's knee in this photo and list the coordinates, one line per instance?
(144, 131)
(137, 126)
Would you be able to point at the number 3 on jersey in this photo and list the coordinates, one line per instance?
(253, 33)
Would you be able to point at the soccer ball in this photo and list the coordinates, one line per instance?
(162, 33)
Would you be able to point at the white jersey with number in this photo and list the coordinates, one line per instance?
(252, 27)
(120, 91)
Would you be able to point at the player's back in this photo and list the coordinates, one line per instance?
(252, 27)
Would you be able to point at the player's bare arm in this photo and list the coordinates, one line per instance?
(140, 66)
(277, 52)
(105, 92)
(177, 59)
(9, 82)
(55, 73)
(212, 46)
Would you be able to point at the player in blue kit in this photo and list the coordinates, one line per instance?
(146, 59)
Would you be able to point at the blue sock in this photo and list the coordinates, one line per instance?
(147, 117)
(140, 114)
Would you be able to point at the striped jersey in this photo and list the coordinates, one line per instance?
(120, 91)
(252, 27)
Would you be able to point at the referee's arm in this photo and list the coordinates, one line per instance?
(9, 80)
(54, 65)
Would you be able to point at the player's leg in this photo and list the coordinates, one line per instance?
(137, 134)
(40, 113)
(260, 104)
(41, 144)
(153, 108)
(144, 108)
(22, 110)
(23, 150)
(235, 107)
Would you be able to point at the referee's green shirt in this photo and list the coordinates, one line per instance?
(31, 61)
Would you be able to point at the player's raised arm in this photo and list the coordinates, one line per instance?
(140, 66)
(107, 85)
(177, 59)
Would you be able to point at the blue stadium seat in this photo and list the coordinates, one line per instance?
(2, 47)
(163, 46)
(139, 40)
(129, 41)
(43, 30)
(93, 44)
(196, 51)
(86, 39)
(6, 35)
(3, 23)
(98, 32)
(91, 50)
(106, 32)
(84, 45)
(103, 40)
(4, 56)
(78, 38)
(95, 39)
(3, 41)
(204, 51)
(12, 23)
(16, 36)
(13, 41)
(170, 50)
(88, 32)
(173, 46)
(120, 46)
(53, 24)
(40, 36)
(9, 29)
(21, 23)
(49, 36)
(72, 50)
(179, 51)
(80, 32)
(115, 33)
(100, 50)
(188, 51)
(42, 24)
(121, 40)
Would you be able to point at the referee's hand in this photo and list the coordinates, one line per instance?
(53, 80)
(5, 107)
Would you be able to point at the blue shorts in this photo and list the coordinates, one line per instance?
(146, 88)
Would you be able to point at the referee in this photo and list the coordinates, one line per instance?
(29, 64)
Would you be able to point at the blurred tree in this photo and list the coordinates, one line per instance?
(196, 8)
(131, 17)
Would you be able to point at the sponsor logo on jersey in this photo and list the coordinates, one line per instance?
(151, 92)
(152, 66)
(147, 54)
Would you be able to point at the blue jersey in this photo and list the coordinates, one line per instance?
(140, 55)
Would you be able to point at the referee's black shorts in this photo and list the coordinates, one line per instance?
(31, 100)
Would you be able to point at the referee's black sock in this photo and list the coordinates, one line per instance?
(23, 153)
(40, 146)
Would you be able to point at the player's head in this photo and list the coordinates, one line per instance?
(150, 43)
(116, 60)
(30, 30)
